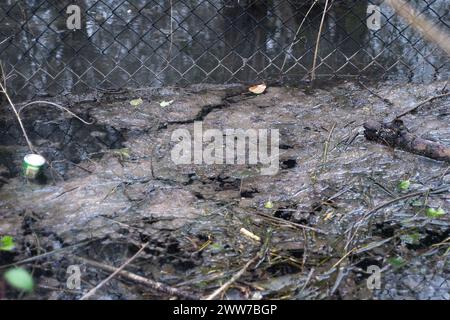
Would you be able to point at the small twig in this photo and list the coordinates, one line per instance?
(259, 256)
(45, 255)
(71, 163)
(341, 275)
(343, 258)
(417, 106)
(157, 286)
(385, 100)
(406, 196)
(5, 92)
(233, 279)
(319, 33)
(327, 144)
(294, 42)
(445, 86)
(291, 224)
(308, 279)
(112, 275)
(358, 224)
(169, 52)
(4, 40)
(57, 106)
(305, 249)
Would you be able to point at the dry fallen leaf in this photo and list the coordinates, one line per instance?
(166, 103)
(268, 205)
(249, 234)
(136, 102)
(329, 215)
(258, 89)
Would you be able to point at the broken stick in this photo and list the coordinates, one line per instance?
(151, 284)
(395, 135)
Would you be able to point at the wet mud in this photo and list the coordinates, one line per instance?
(111, 186)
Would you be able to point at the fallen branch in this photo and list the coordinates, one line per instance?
(157, 286)
(395, 135)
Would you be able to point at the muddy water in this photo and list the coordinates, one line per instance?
(121, 195)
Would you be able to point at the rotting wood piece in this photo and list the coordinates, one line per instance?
(395, 134)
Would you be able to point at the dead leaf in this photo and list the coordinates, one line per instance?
(136, 102)
(249, 234)
(166, 103)
(258, 89)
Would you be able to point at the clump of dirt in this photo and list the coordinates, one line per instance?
(112, 186)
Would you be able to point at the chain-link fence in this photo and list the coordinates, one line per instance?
(163, 42)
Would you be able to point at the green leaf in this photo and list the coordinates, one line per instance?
(216, 246)
(20, 279)
(123, 153)
(136, 102)
(372, 245)
(397, 262)
(404, 185)
(416, 203)
(435, 213)
(412, 238)
(7, 243)
(166, 103)
(268, 205)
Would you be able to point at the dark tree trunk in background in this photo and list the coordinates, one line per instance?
(245, 32)
(351, 32)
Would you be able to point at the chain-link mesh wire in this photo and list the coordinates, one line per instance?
(139, 43)
(136, 43)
